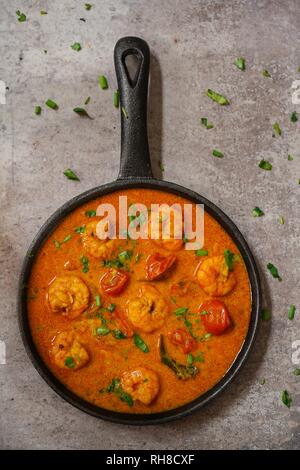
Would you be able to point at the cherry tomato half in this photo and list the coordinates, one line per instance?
(215, 317)
(182, 338)
(113, 282)
(157, 265)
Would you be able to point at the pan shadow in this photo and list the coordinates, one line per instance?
(155, 116)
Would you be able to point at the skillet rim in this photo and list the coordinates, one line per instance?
(131, 418)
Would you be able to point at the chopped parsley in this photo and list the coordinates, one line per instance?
(296, 372)
(21, 16)
(265, 165)
(103, 82)
(206, 124)
(201, 252)
(277, 129)
(140, 343)
(51, 104)
(266, 314)
(37, 110)
(98, 300)
(87, 100)
(294, 116)
(286, 398)
(217, 153)
(116, 99)
(82, 112)
(80, 229)
(229, 259)
(116, 388)
(266, 73)
(85, 264)
(71, 175)
(220, 99)
(290, 158)
(240, 63)
(257, 212)
(90, 213)
(291, 312)
(281, 220)
(274, 271)
(76, 46)
(69, 362)
(88, 6)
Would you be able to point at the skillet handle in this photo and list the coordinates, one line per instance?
(135, 158)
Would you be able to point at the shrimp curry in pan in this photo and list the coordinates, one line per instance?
(138, 326)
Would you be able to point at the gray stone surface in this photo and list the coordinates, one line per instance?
(194, 44)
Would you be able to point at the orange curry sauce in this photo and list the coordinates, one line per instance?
(106, 357)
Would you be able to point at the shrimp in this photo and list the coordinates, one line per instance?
(67, 352)
(142, 384)
(68, 295)
(95, 246)
(156, 233)
(148, 311)
(214, 276)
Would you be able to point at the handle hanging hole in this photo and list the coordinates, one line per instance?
(132, 62)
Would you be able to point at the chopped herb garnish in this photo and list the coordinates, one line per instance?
(80, 229)
(125, 256)
(290, 158)
(190, 359)
(82, 112)
(139, 342)
(217, 153)
(257, 212)
(262, 381)
(274, 271)
(21, 16)
(206, 124)
(266, 73)
(220, 99)
(76, 46)
(51, 104)
(281, 220)
(57, 244)
(42, 12)
(67, 238)
(294, 116)
(265, 165)
(118, 334)
(296, 372)
(180, 311)
(90, 213)
(85, 264)
(69, 362)
(98, 300)
(116, 388)
(116, 99)
(37, 110)
(88, 6)
(203, 312)
(266, 314)
(71, 175)
(201, 252)
(102, 331)
(286, 398)
(229, 259)
(240, 63)
(291, 312)
(124, 112)
(199, 358)
(87, 100)
(111, 307)
(103, 82)
(277, 128)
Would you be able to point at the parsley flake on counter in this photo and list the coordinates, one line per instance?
(87, 6)
(43, 12)
(76, 46)
(71, 175)
(266, 73)
(37, 110)
(220, 99)
(87, 100)
(217, 153)
(124, 112)
(286, 398)
(277, 128)
(201, 252)
(274, 271)
(82, 112)
(51, 104)
(281, 220)
(257, 212)
(265, 165)
(206, 124)
(116, 99)
(240, 63)
(291, 312)
(103, 82)
(294, 116)
(21, 16)
(296, 372)
(90, 213)
(290, 158)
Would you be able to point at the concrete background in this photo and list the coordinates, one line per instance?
(193, 45)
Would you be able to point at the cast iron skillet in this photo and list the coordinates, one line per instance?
(135, 171)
